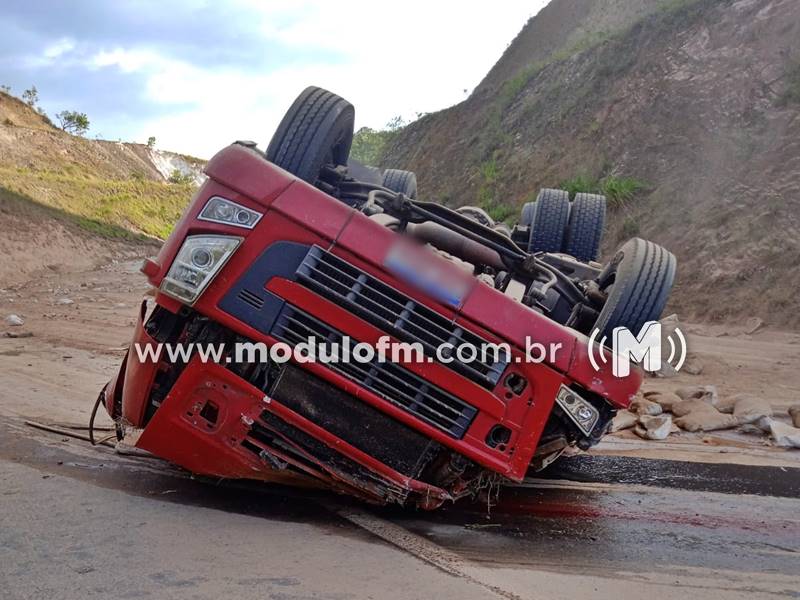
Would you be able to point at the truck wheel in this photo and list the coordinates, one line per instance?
(526, 216)
(316, 130)
(637, 281)
(550, 215)
(587, 218)
(402, 182)
(477, 214)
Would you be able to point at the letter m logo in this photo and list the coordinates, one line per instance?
(645, 348)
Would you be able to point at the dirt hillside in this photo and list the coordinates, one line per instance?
(29, 140)
(71, 202)
(699, 99)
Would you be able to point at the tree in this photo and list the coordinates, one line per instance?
(369, 145)
(31, 96)
(151, 142)
(5, 88)
(73, 121)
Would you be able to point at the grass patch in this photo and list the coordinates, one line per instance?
(488, 195)
(617, 190)
(109, 207)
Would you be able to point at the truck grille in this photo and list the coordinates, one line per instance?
(389, 380)
(392, 311)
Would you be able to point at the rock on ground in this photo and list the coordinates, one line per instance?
(624, 419)
(644, 406)
(14, 320)
(654, 427)
(706, 393)
(666, 399)
(749, 409)
(697, 415)
(784, 435)
(794, 412)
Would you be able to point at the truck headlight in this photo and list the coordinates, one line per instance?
(197, 263)
(581, 412)
(222, 210)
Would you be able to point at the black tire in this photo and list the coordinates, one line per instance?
(638, 281)
(550, 215)
(526, 215)
(587, 218)
(402, 182)
(477, 214)
(316, 130)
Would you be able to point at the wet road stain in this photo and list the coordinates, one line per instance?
(582, 530)
(696, 476)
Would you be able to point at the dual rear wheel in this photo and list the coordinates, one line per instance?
(557, 225)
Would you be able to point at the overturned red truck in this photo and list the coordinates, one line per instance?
(302, 244)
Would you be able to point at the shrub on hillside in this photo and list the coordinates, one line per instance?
(617, 190)
(180, 178)
(370, 144)
(73, 121)
(31, 96)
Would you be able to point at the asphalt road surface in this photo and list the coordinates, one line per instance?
(81, 522)
(78, 522)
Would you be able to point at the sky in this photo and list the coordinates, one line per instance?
(198, 75)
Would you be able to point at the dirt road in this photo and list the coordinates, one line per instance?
(80, 522)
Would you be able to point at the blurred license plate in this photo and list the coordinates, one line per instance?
(419, 268)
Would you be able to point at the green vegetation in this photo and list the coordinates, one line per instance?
(180, 178)
(369, 145)
(488, 193)
(110, 207)
(618, 190)
(72, 121)
(31, 96)
(151, 142)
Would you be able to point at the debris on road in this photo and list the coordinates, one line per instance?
(692, 366)
(794, 412)
(17, 334)
(697, 415)
(784, 436)
(706, 393)
(644, 406)
(624, 419)
(65, 301)
(15, 320)
(747, 408)
(666, 399)
(654, 427)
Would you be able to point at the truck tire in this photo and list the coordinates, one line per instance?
(477, 214)
(526, 216)
(587, 218)
(315, 131)
(550, 215)
(402, 182)
(638, 281)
